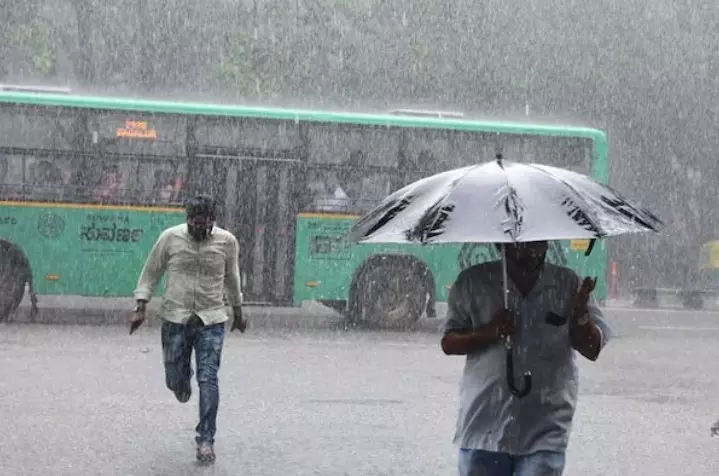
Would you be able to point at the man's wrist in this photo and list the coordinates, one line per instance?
(487, 333)
(141, 305)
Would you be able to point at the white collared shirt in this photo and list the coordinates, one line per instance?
(198, 273)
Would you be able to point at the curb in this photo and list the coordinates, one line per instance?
(86, 312)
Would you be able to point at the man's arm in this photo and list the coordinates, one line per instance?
(467, 342)
(459, 335)
(152, 272)
(233, 285)
(588, 332)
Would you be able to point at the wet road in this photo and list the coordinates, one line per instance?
(91, 401)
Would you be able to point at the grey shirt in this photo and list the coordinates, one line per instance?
(490, 417)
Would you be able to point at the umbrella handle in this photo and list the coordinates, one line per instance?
(526, 378)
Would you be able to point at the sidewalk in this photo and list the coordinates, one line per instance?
(79, 310)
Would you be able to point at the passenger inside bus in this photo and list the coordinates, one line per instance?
(364, 187)
(111, 185)
(352, 188)
(46, 180)
(167, 187)
(329, 195)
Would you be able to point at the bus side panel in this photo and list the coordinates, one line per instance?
(325, 265)
(85, 251)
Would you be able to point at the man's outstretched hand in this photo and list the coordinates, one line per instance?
(238, 322)
(580, 299)
(136, 319)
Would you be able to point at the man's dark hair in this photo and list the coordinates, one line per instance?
(202, 205)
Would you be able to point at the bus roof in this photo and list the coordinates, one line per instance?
(297, 115)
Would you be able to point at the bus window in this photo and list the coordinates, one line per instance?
(573, 153)
(346, 189)
(48, 178)
(367, 189)
(425, 152)
(109, 180)
(568, 152)
(247, 134)
(11, 177)
(169, 188)
(366, 146)
(429, 152)
(111, 184)
(477, 147)
(162, 181)
(326, 192)
(37, 128)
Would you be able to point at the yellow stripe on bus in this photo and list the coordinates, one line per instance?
(93, 206)
(141, 208)
(327, 215)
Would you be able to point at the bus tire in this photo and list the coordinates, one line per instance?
(14, 271)
(389, 293)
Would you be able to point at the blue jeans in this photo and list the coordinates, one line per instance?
(487, 463)
(178, 341)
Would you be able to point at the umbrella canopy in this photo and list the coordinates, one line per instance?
(502, 202)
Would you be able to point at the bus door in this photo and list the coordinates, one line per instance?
(261, 206)
(208, 175)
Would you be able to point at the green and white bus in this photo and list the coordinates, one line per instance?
(87, 184)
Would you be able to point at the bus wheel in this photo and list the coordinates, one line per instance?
(13, 276)
(390, 297)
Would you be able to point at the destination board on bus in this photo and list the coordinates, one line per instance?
(138, 134)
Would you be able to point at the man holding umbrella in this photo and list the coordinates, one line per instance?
(550, 315)
(541, 313)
